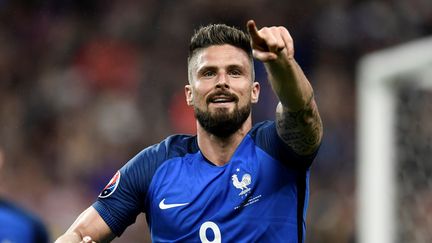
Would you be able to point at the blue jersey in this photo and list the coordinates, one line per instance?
(19, 226)
(260, 195)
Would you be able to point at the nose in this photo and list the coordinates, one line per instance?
(222, 81)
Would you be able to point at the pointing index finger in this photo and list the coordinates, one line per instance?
(257, 40)
(252, 29)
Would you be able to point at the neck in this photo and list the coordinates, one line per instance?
(220, 150)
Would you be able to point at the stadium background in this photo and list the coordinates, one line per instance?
(84, 85)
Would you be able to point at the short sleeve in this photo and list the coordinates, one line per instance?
(123, 198)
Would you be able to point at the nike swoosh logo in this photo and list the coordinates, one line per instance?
(162, 205)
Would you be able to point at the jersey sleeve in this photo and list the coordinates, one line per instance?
(124, 196)
(266, 137)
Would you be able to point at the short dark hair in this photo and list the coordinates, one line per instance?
(219, 34)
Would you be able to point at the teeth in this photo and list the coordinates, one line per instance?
(220, 100)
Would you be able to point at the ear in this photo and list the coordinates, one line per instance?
(189, 95)
(255, 92)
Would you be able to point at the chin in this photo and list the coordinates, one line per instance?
(221, 111)
(222, 121)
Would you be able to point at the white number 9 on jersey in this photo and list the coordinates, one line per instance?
(214, 228)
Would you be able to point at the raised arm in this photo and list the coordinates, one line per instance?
(297, 119)
(88, 227)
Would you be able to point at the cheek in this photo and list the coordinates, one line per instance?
(246, 99)
(199, 98)
(201, 90)
(245, 94)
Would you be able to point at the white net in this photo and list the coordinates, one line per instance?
(394, 163)
(414, 163)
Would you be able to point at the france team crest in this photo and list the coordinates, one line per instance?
(111, 186)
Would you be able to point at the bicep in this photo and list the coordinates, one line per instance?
(301, 130)
(90, 223)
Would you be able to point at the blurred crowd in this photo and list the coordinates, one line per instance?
(85, 85)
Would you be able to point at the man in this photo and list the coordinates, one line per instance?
(18, 224)
(231, 182)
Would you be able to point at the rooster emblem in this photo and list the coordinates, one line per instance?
(243, 184)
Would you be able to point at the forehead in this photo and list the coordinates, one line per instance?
(221, 56)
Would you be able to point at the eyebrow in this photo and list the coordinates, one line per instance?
(239, 67)
(214, 68)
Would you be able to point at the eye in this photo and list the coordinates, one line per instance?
(208, 73)
(235, 72)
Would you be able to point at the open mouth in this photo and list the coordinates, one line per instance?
(222, 99)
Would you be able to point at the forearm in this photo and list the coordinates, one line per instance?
(289, 83)
(89, 224)
(298, 121)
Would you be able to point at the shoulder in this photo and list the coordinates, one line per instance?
(172, 146)
(145, 163)
(263, 125)
(263, 131)
(265, 136)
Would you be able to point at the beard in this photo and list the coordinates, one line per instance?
(222, 123)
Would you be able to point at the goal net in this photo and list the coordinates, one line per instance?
(394, 146)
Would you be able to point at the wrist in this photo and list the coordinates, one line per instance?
(70, 237)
